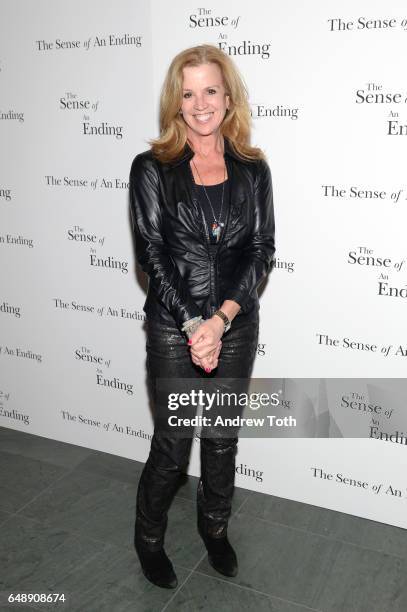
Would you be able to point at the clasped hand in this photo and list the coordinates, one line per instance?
(205, 344)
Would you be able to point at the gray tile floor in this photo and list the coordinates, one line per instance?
(66, 523)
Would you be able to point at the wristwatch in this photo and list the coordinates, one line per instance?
(224, 318)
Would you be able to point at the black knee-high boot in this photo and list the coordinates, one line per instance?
(157, 486)
(214, 501)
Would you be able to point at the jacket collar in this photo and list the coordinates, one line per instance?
(188, 153)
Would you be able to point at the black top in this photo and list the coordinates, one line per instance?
(215, 195)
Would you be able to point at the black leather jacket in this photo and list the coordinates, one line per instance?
(187, 276)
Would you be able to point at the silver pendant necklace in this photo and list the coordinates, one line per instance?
(217, 224)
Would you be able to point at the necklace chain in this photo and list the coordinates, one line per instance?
(217, 224)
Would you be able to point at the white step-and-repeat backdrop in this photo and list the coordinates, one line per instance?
(79, 85)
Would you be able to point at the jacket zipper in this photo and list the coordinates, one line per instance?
(212, 271)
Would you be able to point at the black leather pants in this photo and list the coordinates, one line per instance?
(168, 356)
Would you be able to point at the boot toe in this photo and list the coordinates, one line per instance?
(224, 565)
(157, 567)
(221, 555)
(167, 580)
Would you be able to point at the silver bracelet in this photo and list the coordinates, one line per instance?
(191, 322)
(190, 327)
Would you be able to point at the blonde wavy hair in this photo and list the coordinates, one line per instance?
(236, 123)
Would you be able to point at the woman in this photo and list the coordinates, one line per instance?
(202, 213)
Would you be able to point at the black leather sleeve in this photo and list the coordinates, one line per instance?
(257, 256)
(151, 250)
